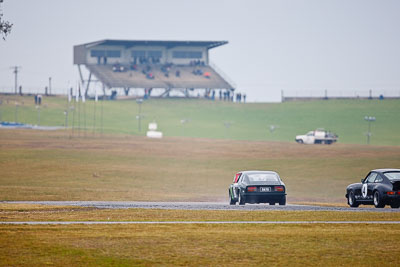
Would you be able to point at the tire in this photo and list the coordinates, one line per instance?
(241, 201)
(299, 141)
(272, 203)
(282, 202)
(395, 205)
(378, 203)
(351, 200)
(231, 201)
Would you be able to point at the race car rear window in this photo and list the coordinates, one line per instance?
(393, 175)
(262, 177)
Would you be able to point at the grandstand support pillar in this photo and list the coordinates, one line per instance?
(127, 91)
(166, 93)
(88, 83)
(80, 74)
(104, 90)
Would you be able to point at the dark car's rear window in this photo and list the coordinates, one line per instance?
(262, 177)
(393, 175)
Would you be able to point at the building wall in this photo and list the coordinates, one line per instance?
(110, 60)
(126, 54)
(185, 61)
(79, 54)
(147, 49)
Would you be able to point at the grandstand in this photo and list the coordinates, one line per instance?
(173, 67)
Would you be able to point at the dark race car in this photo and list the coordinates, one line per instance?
(257, 187)
(380, 187)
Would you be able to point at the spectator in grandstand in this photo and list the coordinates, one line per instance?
(133, 67)
(207, 75)
(113, 95)
(150, 76)
(115, 67)
(197, 72)
(178, 73)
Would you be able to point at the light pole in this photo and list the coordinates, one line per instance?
(139, 101)
(66, 118)
(369, 119)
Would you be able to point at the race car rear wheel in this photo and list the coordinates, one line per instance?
(231, 201)
(241, 201)
(282, 202)
(378, 203)
(351, 200)
(395, 205)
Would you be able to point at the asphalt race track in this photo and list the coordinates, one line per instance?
(199, 206)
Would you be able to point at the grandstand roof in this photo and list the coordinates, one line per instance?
(168, 44)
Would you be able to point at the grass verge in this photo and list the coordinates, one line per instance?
(193, 245)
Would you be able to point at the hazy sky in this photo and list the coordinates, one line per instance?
(299, 45)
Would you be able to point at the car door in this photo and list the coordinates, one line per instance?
(368, 186)
(310, 138)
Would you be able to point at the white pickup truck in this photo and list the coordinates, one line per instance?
(319, 136)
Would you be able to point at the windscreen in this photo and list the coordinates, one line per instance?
(393, 175)
(262, 177)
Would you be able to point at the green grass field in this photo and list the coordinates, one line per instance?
(208, 119)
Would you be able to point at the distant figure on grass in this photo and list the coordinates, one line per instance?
(244, 98)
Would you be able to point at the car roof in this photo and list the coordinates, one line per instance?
(386, 170)
(250, 172)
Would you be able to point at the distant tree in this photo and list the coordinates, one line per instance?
(5, 26)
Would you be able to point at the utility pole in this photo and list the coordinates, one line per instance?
(50, 85)
(16, 69)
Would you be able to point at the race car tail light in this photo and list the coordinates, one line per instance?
(279, 188)
(398, 192)
(391, 193)
(251, 189)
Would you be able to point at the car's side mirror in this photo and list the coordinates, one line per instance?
(362, 181)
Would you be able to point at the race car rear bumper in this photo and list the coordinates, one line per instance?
(391, 198)
(263, 197)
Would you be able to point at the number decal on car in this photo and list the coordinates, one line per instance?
(364, 190)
